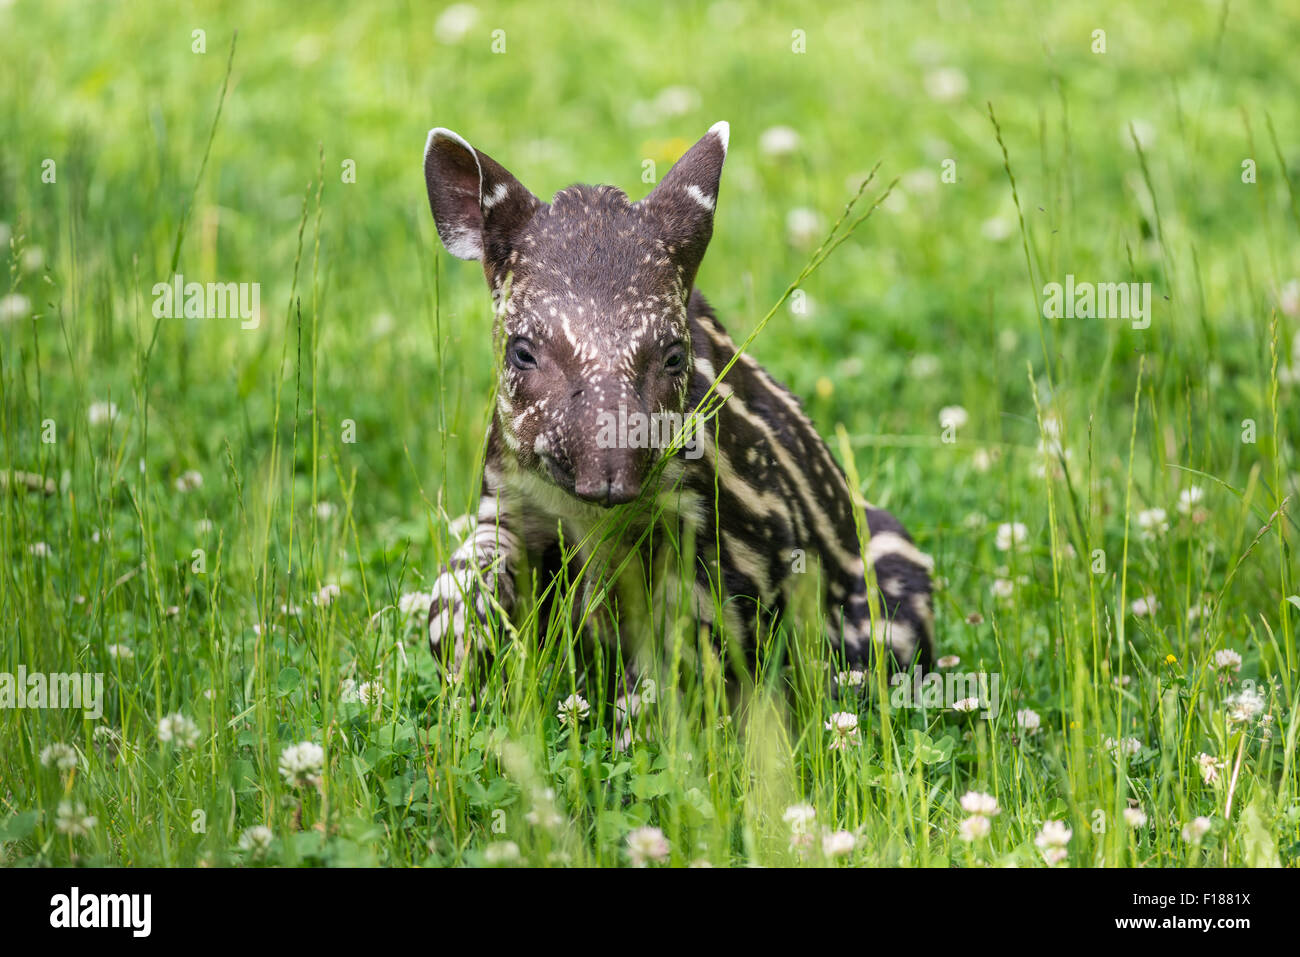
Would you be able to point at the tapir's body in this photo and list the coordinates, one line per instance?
(598, 324)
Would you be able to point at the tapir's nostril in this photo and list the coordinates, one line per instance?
(621, 494)
(603, 490)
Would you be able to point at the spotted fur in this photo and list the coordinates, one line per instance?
(596, 311)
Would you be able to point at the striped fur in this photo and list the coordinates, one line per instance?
(596, 312)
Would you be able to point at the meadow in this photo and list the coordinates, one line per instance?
(234, 522)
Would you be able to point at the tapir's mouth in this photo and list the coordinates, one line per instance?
(606, 494)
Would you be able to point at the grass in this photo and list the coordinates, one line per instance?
(338, 440)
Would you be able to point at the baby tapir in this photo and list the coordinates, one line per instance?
(600, 336)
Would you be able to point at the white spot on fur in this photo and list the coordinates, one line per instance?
(701, 197)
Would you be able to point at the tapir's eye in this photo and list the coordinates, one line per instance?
(675, 361)
(519, 352)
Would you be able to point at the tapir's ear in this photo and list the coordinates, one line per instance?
(685, 198)
(477, 205)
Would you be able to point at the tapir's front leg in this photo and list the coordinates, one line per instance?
(476, 591)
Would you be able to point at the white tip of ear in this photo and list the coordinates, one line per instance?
(440, 133)
(722, 130)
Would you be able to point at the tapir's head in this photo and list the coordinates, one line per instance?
(590, 295)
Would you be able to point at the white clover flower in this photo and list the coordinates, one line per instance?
(120, 652)
(1054, 834)
(1225, 659)
(572, 710)
(997, 229)
(966, 705)
(1051, 841)
(1210, 766)
(325, 511)
(1144, 606)
(454, 24)
(1153, 522)
(59, 755)
(838, 844)
(72, 819)
(953, 417)
(178, 730)
(501, 852)
(979, 803)
(1129, 746)
(39, 550)
(1189, 498)
(15, 306)
(981, 460)
(1010, 534)
(1028, 720)
(1204, 610)
(800, 817)
(327, 594)
(1196, 829)
(543, 813)
(948, 661)
(301, 764)
(1289, 302)
(1003, 589)
(1048, 460)
(946, 84)
(1135, 817)
(974, 828)
(777, 141)
(843, 726)
(647, 844)
(203, 527)
(924, 365)
(101, 413)
(33, 258)
(256, 841)
(918, 181)
(803, 227)
(676, 101)
(1244, 706)
(546, 817)
(368, 693)
(189, 481)
(415, 604)
(851, 679)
